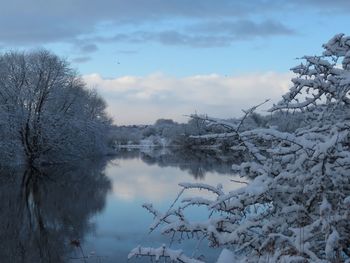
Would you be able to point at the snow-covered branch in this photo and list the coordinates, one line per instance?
(162, 252)
(295, 208)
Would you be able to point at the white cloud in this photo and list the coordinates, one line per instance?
(134, 100)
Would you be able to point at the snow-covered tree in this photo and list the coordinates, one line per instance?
(46, 111)
(296, 207)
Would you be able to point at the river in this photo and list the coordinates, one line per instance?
(92, 210)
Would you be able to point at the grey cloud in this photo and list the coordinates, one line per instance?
(266, 28)
(169, 37)
(34, 32)
(208, 34)
(38, 22)
(80, 60)
(88, 48)
(326, 5)
(185, 39)
(131, 11)
(82, 48)
(243, 29)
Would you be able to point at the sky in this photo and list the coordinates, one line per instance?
(152, 59)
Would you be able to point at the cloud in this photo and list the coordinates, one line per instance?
(169, 37)
(82, 59)
(42, 22)
(195, 23)
(340, 6)
(134, 100)
(243, 29)
(88, 48)
(202, 34)
(126, 12)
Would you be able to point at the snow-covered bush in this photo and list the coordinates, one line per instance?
(296, 206)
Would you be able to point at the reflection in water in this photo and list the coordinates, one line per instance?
(47, 215)
(43, 211)
(139, 178)
(197, 163)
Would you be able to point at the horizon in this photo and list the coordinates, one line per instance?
(168, 59)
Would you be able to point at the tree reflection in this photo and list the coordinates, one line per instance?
(43, 211)
(195, 162)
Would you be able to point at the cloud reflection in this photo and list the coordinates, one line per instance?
(134, 180)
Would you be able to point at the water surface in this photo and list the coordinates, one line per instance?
(94, 208)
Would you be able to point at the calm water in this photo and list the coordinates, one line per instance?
(98, 204)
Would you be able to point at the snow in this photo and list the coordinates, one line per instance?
(162, 252)
(332, 244)
(226, 256)
(325, 208)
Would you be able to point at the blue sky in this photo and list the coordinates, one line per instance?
(154, 58)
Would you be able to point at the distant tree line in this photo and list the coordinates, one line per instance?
(166, 132)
